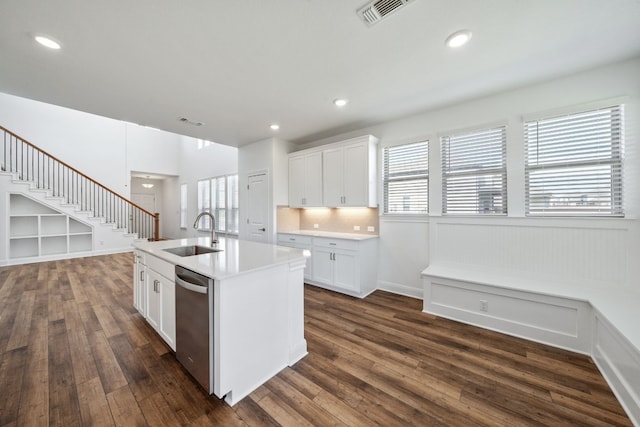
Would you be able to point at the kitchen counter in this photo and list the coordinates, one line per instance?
(331, 234)
(235, 258)
(257, 306)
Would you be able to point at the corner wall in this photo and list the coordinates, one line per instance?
(602, 251)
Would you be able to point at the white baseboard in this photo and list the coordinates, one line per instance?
(399, 289)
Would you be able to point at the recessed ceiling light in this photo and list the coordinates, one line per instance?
(275, 126)
(458, 38)
(340, 102)
(47, 42)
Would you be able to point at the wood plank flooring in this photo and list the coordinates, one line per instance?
(74, 351)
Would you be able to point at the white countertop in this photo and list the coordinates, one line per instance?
(236, 257)
(331, 234)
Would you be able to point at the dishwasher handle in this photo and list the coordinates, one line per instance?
(191, 286)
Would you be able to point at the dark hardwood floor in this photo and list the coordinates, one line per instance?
(73, 351)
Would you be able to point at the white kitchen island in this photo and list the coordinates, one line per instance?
(258, 306)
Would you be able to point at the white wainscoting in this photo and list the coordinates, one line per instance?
(585, 251)
(570, 283)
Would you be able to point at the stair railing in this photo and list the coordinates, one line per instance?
(30, 163)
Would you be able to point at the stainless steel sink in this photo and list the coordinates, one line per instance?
(192, 250)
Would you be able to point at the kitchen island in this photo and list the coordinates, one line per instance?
(258, 306)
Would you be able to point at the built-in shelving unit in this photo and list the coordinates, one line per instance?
(38, 230)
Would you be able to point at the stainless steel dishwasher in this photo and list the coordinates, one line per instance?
(194, 325)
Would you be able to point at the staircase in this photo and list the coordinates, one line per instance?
(64, 198)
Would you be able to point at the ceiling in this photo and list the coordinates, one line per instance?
(239, 66)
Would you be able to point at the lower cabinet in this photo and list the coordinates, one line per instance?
(299, 242)
(344, 265)
(139, 288)
(155, 295)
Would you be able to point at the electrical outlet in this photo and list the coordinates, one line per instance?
(371, 228)
(316, 225)
(484, 305)
(356, 228)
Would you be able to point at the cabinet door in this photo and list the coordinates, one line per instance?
(296, 181)
(139, 288)
(168, 312)
(323, 265)
(153, 298)
(313, 179)
(356, 175)
(332, 173)
(345, 270)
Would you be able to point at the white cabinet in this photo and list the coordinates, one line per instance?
(344, 265)
(349, 173)
(155, 295)
(139, 282)
(305, 180)
(299, 242)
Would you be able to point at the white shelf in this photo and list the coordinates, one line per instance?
(37, 230)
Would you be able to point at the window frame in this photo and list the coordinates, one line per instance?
(615, 160)
(473, 135)
(409, 175)
(229, 208)
(184, 198)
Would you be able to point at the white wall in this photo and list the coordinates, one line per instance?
(106, 150)
(603, 252)
(194, 164)
(268, 155)
(109, 150)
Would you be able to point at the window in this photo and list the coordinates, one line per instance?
(204, 203)
(406, 178)
(474, 172)
(573, 164)
(183, 205)
(219, 196)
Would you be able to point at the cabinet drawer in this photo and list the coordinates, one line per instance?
(139, 256)
(335, 243)
(162, 267)
(294, 238)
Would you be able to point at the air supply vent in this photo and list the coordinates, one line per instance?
(374, 12)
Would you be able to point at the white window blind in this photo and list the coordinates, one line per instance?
(406, 178)
(474, 172)
(204, 203)
(183, 205)
(219, 196)
(573, 164)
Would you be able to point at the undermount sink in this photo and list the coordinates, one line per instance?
(192, 250)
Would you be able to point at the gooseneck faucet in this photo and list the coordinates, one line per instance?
(214, 238)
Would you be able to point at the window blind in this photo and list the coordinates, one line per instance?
(406, 178)
(183, 205)
(474, 172)
(573, 164)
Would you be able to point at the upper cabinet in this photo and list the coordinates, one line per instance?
(347, 174)
(305, 179)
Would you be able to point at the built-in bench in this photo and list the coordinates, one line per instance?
(602, 323)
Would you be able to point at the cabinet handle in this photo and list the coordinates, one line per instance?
(155, 285)
(332, 244)
(142, 276)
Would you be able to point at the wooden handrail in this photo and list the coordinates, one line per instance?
(75, 170)
(65, 170)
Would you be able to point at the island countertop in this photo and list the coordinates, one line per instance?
(235, 258)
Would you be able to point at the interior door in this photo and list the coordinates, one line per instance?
(258, 207)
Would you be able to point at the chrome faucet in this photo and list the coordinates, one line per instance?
(214, 238)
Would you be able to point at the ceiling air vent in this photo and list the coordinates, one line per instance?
(374, 12)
